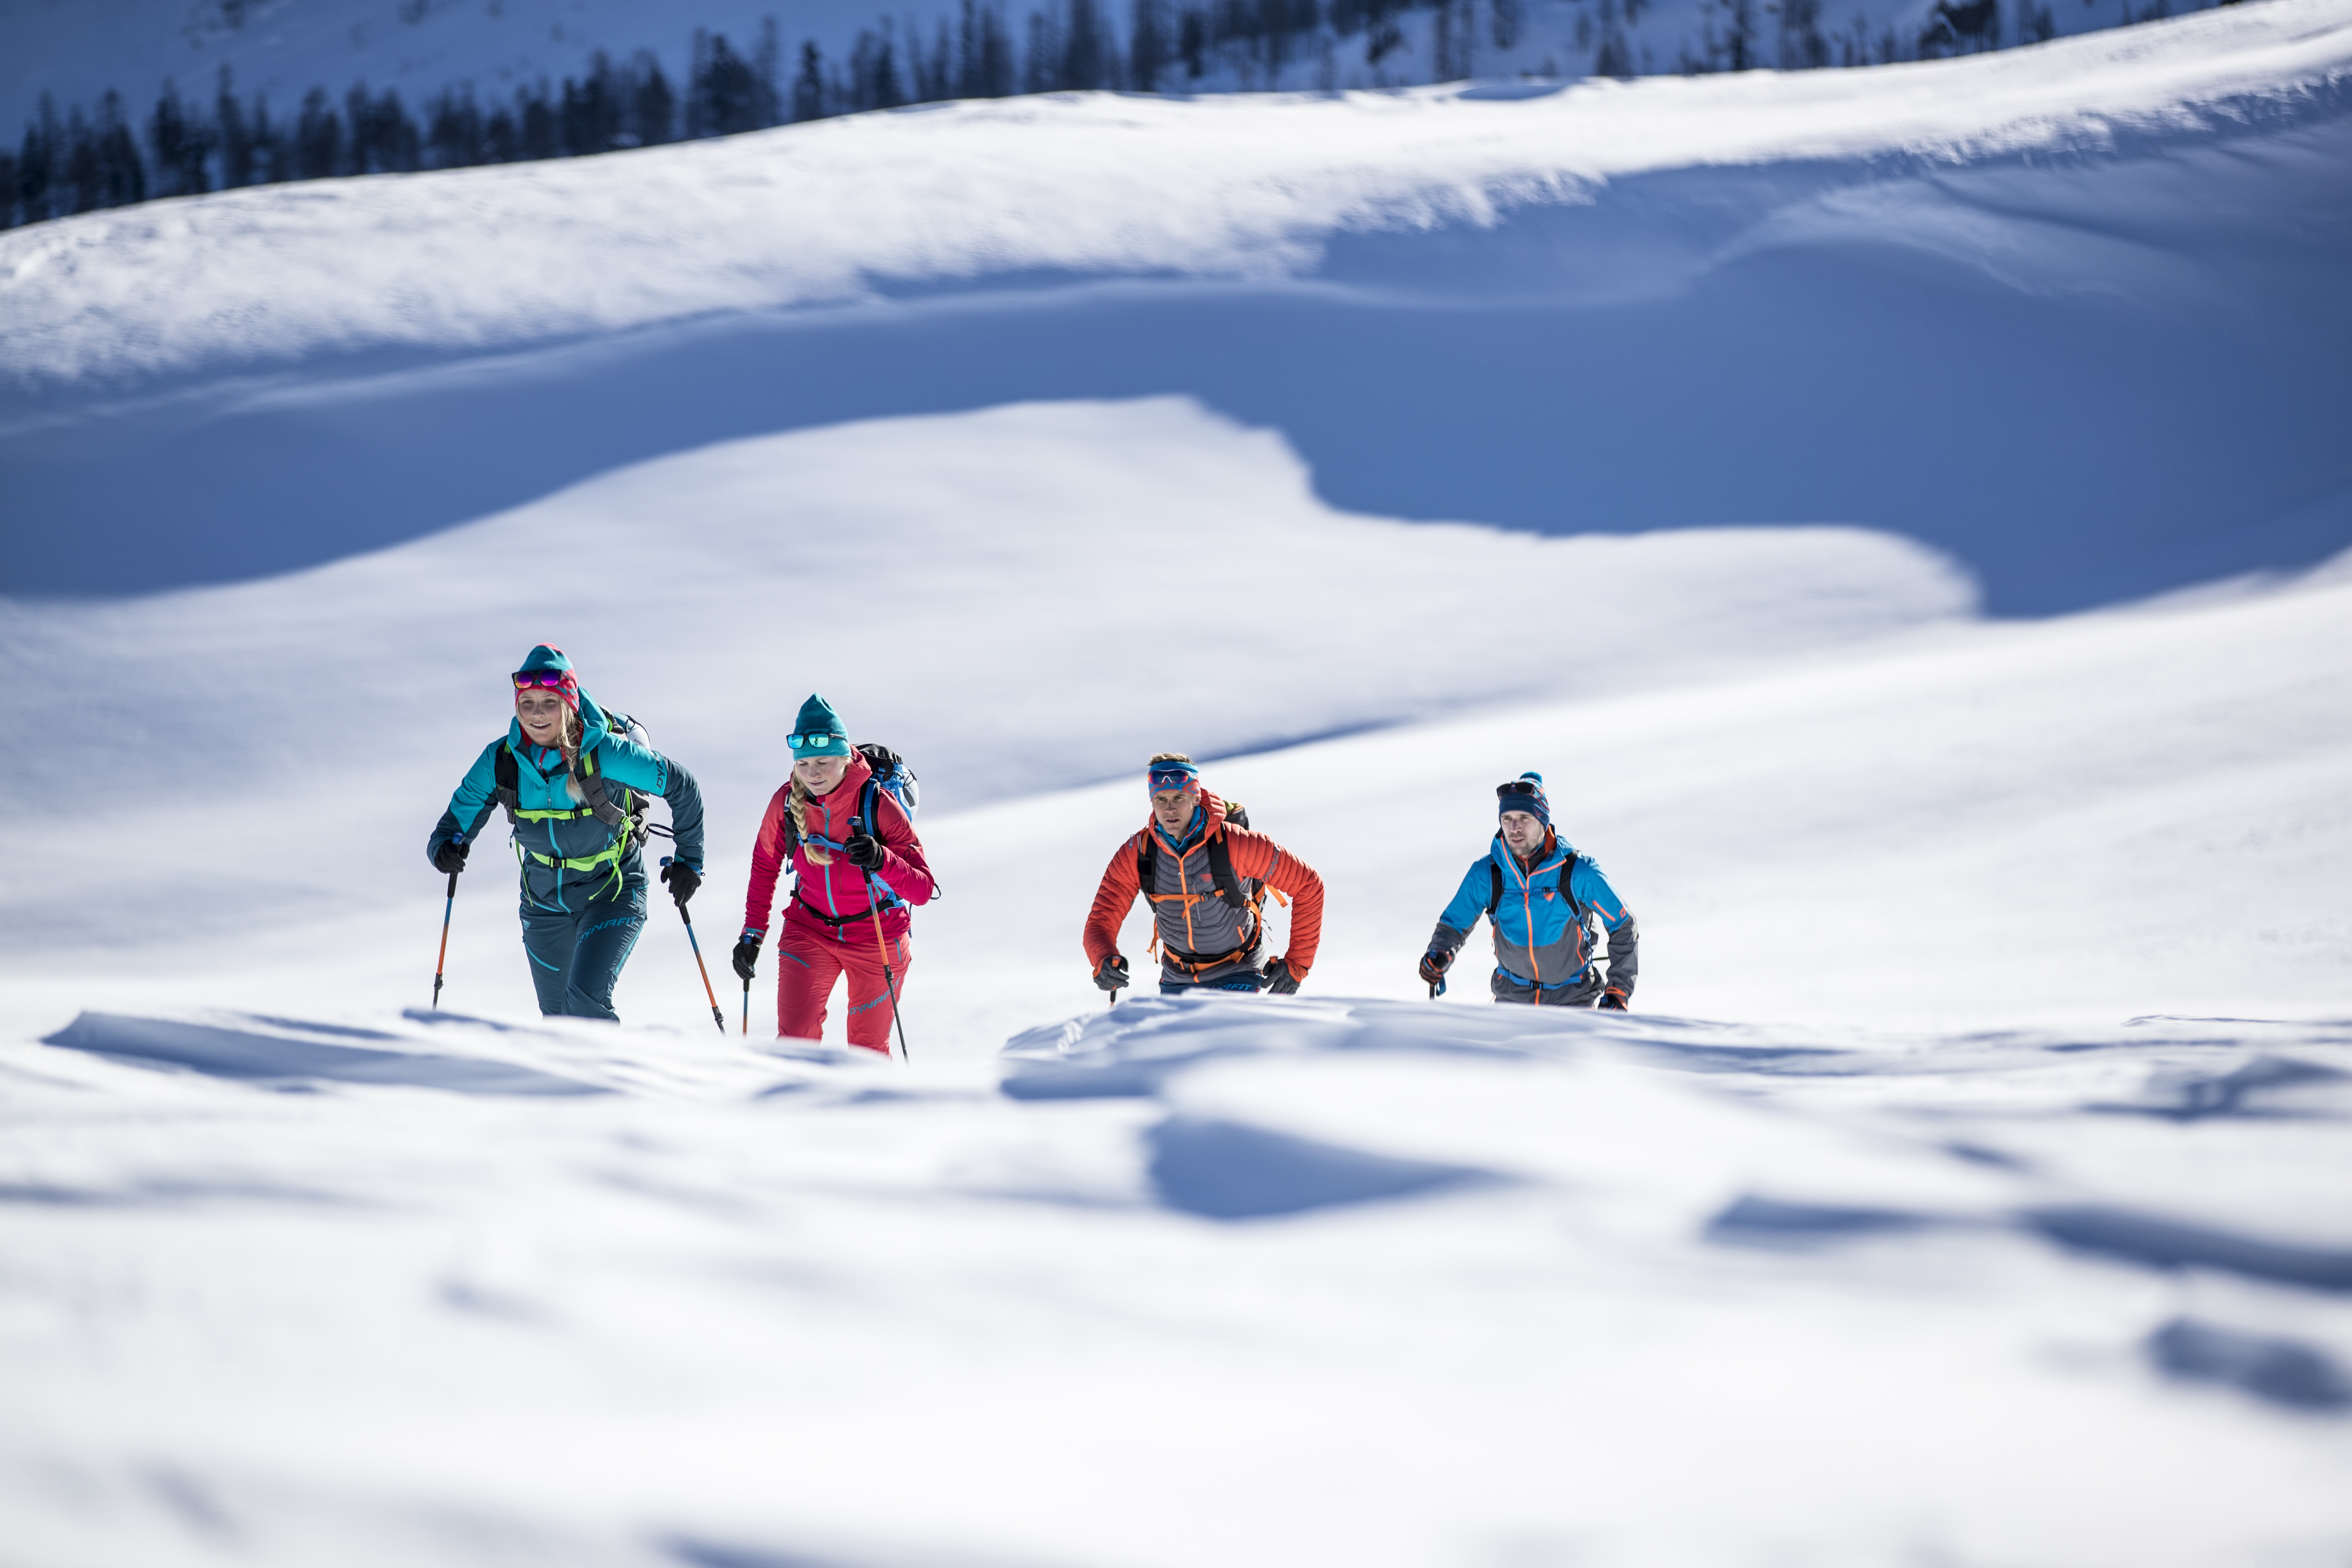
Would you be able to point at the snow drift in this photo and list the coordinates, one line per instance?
(1378, 1282)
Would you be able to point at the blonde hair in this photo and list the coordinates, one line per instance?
(797, 804)
(567, 740)
(1170, 757)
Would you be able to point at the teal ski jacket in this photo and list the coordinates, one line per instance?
(566, 853)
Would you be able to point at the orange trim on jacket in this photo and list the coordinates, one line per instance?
(1254, 855)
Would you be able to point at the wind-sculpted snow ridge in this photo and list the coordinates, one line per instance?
(1079, 185)
(1361, 1279)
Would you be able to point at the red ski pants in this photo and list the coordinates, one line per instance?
(810, 957)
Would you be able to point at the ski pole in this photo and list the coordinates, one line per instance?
(716, 1016)
(442, 962)
(874, 908)
(747, 1009)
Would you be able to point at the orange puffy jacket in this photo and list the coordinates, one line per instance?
(1254, 855)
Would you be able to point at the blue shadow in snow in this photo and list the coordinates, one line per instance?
(1225, 1170)
(1752, 1221)
(2158, 1242)
(697, 1553)
(2226, 1094)
(254, 1057)
(2280, 1371)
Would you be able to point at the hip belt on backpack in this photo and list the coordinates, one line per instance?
(610, 856)
(1196, 963)
(838, 922)
(1581, 977)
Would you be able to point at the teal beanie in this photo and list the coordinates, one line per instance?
(818, 731)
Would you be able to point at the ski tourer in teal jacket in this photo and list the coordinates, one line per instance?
(578, 832)
(1543, 905)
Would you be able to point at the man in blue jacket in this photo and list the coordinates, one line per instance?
(1542, 897)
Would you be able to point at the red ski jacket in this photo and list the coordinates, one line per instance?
(836, 895)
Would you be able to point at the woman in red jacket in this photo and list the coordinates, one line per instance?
(853, 852)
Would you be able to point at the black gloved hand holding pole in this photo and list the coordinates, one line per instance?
(1434, 965)
(1281, 979)
(747, 958)
(1111, 973)
(865, 851)
(451, 857)
(682, 879)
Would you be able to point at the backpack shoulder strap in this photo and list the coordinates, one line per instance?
(1147, 864)
(1566, 871)
(1221, 870)
(1494, 887)
(591, 780)
(508, 779)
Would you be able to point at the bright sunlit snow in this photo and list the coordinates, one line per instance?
(1966, 1187)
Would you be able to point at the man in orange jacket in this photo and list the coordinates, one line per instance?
(1205, 874)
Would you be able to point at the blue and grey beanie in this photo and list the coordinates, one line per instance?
(1525, 793)
(818, 731)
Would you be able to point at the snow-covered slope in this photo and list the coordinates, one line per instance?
(1089, 184)
(1249, 1283)
(1827, 795)
(2072, 315)
(1946, 1247)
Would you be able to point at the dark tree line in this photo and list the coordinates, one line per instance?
(100, 158)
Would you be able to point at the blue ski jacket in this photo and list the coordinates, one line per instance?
(1542, 917)
(567, 854)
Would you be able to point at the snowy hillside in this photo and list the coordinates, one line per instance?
(1965, 1187)
(1861, 297)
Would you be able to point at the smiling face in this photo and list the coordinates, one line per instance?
(1522, 832)
(541, 713)
(1173, 809)
(820, 775)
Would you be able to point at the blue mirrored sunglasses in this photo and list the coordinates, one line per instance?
(797, 742)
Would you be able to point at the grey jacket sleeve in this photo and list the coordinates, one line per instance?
(1625, 956)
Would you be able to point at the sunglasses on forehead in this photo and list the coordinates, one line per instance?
(554, 680)
(798, 743)
(1518, 787)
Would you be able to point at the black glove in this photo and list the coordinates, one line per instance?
(1111, 973)
(1434, 965)
(683, 880)
(865, 851)
(746, 956)
(1613, 1001)
(1280, 980)
(451, 857)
